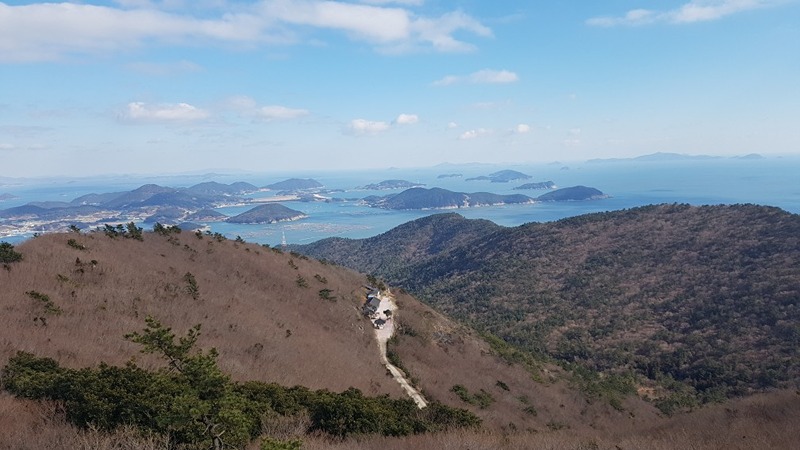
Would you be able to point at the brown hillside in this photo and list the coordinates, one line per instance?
(249, 304)
(265, 325)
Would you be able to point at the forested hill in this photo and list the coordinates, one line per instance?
(407, 244)
(705, 296)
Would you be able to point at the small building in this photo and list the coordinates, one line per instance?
(380, 323)
(372, 305)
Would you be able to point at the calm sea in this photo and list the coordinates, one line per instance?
(773, 181)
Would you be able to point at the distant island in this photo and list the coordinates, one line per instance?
(390, 184)
(539, 185)
(269, 213)
(450, 175)
(294, 184)
(7, 196)
(750, 156)
(503, 176)
(574, 193)
(657, 157)
(438, 198)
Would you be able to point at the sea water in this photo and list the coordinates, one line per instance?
(772, 181)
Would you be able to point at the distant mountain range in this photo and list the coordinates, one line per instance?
(667, 156)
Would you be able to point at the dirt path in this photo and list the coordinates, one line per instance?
(383, 335)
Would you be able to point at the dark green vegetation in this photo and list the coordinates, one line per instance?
(269, 213)
(198, 406)
(8, 254)
(688, 304)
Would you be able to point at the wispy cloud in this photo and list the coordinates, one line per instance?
(165, 113)
(693, 11)
(52, 31)
(247, 107)
(485, 76)
(367, 127)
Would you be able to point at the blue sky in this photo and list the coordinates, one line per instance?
(146, 86)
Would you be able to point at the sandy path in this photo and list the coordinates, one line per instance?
(383, 335)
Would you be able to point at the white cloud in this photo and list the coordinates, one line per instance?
(452, 125)
(485, 76)
(177, 112)
(363, 126)
(4, 146)
(438, 32)
(474, 134)
(48, 31)
(693, 11)
(52, 31)
(522, 128)
(407, 119)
